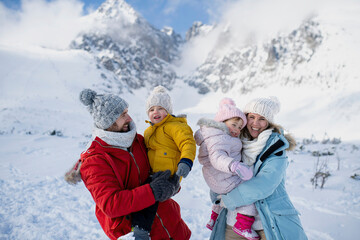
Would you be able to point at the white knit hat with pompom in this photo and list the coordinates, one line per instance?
(159, 97)
(266, 107)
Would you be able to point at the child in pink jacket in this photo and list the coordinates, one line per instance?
(220, 155)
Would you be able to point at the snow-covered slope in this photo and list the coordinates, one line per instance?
(44, 128)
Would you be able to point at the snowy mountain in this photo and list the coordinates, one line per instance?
(248, 67)
(132, 53)
(198, 28)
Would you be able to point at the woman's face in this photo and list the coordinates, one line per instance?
(256, 124)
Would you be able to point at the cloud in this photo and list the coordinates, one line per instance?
(38, 22)
(243, 22)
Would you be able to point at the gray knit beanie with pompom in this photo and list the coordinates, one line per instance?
(105, 108)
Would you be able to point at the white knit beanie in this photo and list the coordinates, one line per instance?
(159, 97)
(227, 110)
(105, 108)
(266, 107)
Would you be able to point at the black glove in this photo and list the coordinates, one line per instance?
(162, 186)
(183, 170)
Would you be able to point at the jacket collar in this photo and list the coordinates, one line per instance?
(276, 144)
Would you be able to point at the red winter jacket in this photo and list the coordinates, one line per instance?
(115, 180)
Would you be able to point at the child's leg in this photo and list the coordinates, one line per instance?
(243, 227)
(214, 214)
(142, 221)
(215, 210)
(213, 196)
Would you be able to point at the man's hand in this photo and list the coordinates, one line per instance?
(162, 186)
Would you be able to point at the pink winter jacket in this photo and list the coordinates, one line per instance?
(217, 150)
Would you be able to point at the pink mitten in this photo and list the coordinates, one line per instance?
(242, 170)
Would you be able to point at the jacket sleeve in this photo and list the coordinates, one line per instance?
(219, 153)
(259, 187)
(108, 193)
(184, 140)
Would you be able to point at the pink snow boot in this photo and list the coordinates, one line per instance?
(242, 227)
(211, 223)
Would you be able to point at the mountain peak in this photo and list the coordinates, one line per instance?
(115, 10)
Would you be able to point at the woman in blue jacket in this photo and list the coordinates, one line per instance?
(265, 142)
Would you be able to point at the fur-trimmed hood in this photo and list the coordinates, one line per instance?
(209, 127)
(214, 124)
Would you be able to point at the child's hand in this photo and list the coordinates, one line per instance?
(183, 170)
(242, 170)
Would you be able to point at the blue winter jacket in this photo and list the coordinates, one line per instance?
(267, 190)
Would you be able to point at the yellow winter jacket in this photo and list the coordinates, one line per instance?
(168, 142)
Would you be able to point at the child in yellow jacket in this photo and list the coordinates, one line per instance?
(169, 139)
(170, 144)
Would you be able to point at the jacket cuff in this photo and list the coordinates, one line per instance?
(187, 162)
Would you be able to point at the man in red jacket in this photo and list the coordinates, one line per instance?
(115, 169)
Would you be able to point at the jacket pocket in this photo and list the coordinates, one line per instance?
(164, 160)
(115, 222)
(287, 223)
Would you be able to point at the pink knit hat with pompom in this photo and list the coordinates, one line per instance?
(227, 110)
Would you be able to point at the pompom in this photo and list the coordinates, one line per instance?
(159, 89)
(276, 104)
(87, 96)
(227, 101)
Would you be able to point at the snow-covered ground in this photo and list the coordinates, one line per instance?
(36, 202)
(44, 128)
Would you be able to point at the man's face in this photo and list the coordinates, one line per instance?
(122, 123)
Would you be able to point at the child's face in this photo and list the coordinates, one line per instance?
(157, 114)
(234, 125)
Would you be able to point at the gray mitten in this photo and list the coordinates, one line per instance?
(161, 185)
(183, 170)
(175, 180)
